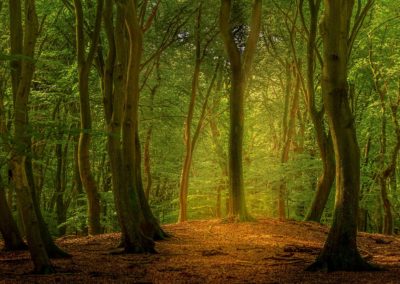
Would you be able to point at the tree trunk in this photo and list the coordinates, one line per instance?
(121, 96)
(147, 162)
(325, 181)
(84, 65)
(222, 161)
(61, 210)
(324, 141)
(240, 70)
(340, 250)
(287, 143)
(23, 81)
(8, 227)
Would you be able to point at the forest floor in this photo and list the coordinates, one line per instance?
(267, 251)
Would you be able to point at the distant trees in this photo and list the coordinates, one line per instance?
(202, 46)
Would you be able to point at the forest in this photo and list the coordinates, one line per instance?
(199, 141)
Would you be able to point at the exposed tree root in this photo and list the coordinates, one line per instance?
(342, 262)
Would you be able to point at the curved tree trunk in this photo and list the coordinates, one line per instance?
(324, 140)
(325, 181)
(23, 80)
(84, 65)
(340, 251)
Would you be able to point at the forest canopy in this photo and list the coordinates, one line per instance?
(126, 115)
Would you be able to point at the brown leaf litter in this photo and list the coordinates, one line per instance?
(267, 251)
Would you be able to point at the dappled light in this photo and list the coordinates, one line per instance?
(206, 141)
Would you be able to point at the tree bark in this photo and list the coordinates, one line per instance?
(222, 162)
(240, 70)
(8, 228)
(84, 66)
(340, 251)
(288, 138)
(121, 97)
(23, 80)
(187, 162)
(324, 141)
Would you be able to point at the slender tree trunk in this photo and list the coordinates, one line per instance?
(61, 208)
(240, 70)
(147, 162)
(222, 161)
(289, 135)
(387, 227)
(189, 143)
(147, 144)
(387, 171)
(324, 141)
(8, 227)
(84, 65)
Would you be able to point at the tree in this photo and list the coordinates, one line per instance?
(340, 250)
(8, 227)
(240, 64)
(84, 66)
(24, 43)
(121, 90)
(189, 139)
(323, 137)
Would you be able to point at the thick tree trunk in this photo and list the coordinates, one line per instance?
(324, 141)
(37, 249)
(149, 224)
(340, 250)
(23, 79)
(8, 227)
(121, 95)
(130, 143)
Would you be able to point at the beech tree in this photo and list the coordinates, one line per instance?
(323, 137)
(340, 251)
(84, 67)
(190, 139)
(240, 64)
(23, 41)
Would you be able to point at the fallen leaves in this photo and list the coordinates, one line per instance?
(268, 251)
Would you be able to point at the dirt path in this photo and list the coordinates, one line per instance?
(268, 251)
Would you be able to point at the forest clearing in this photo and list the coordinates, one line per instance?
(268, 251)
(122, 121)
